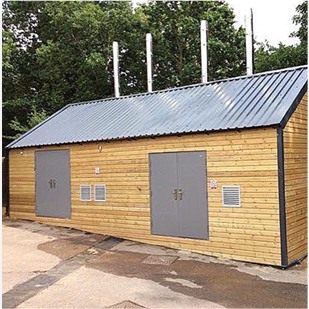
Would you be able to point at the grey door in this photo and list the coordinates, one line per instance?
(164, 210)
(184, 214)
(53, 189)
(192, 194)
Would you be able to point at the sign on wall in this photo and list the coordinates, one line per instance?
(97, 170)
(213, 184)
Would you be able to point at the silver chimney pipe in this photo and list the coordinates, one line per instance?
(149, 61)
(204, 56)
(116, 68)
(249, 43)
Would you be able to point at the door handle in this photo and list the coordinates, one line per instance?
(174, 192)
(50, 183)
(54, 183)
(180, 194)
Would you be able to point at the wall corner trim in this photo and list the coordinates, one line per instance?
(281, 182)
(294, 105)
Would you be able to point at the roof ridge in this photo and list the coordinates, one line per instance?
(187, 86)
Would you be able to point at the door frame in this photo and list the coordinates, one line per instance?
(206, 181)
(35, 187)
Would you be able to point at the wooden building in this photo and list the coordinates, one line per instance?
(217, 168)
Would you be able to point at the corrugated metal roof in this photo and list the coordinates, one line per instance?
(236, 103)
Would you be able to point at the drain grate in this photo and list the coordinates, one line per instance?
(126, 304)
(160, 259)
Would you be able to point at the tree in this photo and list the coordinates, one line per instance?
(61, 52)
(268, 58)
(301, 19)
(175, 27)
(34, 118)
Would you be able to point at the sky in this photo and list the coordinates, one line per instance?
(272, 18)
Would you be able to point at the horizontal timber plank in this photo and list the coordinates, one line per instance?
(247, 158)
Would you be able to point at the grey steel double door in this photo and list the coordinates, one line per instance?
(178, 194)
(53, 189)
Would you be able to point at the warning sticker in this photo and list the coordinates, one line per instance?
(213, 184)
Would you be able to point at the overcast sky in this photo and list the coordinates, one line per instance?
(272, 18)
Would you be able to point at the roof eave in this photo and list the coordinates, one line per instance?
(108, 140)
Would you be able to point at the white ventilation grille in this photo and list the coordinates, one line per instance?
(100, 193)
(85, 193)
(231, 196)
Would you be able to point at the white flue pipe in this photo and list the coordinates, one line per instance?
(249, 43)
(116, 68)
(149, 61)
(204, 55)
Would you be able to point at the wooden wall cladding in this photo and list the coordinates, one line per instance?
(247, 158)
(295, 169)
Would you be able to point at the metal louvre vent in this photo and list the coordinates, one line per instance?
(231, 196)
(100, 193)
(85, 193)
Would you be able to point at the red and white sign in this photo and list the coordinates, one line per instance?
(97, 170)
(213, 184)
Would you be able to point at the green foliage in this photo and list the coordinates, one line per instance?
(301, 19)
(269, 58)
(10, 74)
(58, 52)
(175, 27)
(34, 118)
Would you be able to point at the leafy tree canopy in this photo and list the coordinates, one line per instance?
(34, 118)
(175, 27)
(268, 58)
(301, 19)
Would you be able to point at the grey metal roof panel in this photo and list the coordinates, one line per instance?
(244, 102)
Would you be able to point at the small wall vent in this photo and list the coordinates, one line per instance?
(231, 196)
(85, 193)
(100, 193)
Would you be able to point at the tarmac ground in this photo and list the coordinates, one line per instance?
(53, 267)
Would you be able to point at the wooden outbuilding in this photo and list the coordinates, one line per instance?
(217, 168)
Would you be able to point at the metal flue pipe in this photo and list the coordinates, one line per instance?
(116, 68)
(249, 43)
(204, 55)
(149, 61)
